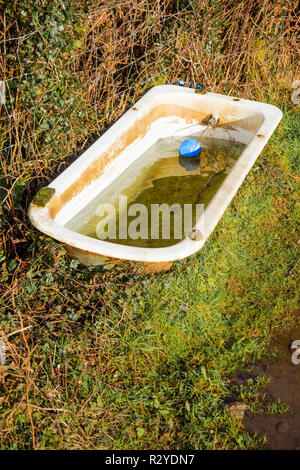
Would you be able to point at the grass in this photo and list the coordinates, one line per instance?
(116, 359)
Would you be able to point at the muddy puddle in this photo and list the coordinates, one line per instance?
(282, 430)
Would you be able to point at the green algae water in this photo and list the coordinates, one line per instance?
(160, 176)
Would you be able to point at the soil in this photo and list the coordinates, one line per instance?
(282, 431)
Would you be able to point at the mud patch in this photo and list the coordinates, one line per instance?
(282, 431)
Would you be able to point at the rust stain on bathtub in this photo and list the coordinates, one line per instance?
(88, 258)
(139, 130)
(152, 268)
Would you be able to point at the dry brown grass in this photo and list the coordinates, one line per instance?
(248, 48)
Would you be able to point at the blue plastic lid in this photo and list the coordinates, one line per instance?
(190, 148)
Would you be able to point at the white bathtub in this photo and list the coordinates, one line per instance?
(158, 114)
